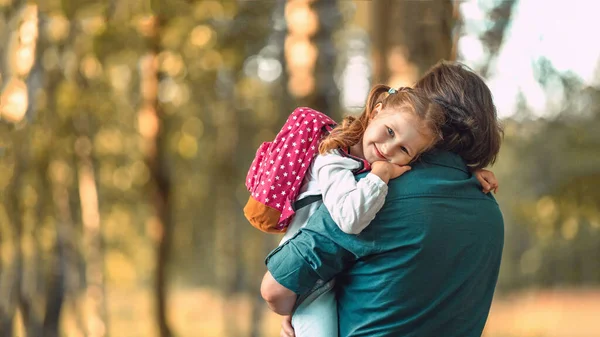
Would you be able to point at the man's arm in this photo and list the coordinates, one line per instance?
(319, 252)
(279, 298)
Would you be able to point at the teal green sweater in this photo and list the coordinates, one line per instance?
(426, 266)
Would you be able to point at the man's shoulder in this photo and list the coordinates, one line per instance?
(437, 173)
(441, 160)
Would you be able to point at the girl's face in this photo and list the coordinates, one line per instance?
(393, 137)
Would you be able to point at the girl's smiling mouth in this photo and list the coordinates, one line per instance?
(379, 154)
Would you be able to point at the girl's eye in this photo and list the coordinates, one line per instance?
(390, 132)
(404, 149)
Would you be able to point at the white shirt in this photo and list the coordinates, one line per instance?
(352, 205)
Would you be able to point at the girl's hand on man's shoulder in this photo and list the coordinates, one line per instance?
(388, 171)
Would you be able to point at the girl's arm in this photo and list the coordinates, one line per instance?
(487, 179)
(352, 205)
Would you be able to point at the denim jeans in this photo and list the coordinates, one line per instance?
(316, 313)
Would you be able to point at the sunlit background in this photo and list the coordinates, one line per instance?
(127, 127)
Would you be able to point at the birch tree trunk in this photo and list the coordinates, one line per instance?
(93, 242)
(95, 305)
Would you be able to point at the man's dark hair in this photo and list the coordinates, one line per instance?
(472, 129)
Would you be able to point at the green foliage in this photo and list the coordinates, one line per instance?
(550, 168)
(213, 116)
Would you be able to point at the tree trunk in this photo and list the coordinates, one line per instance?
(11, 244)
(93, 243)
(54, 273)
(32, 286)
(492, 39)
(409, 37)
(66, 237)
(153, 128)
(92, 236)
(12, 259)
(67, 282)
(56, 289)
(58, 265)
(311, 78)
(55, 292)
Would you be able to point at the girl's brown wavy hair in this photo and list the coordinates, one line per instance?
(351, 130)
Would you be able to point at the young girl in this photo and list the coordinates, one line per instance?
(395, 127)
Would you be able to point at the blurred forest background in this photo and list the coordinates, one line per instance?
(127, 127)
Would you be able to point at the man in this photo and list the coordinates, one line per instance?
(428, 264)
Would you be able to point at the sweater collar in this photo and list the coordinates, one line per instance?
(444, 158)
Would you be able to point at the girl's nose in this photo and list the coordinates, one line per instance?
(387, 150)
(390, 147)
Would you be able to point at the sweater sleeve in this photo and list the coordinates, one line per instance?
(352, 205)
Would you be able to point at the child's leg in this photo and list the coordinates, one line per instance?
(317, 316)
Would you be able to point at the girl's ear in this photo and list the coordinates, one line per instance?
(375, 110)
